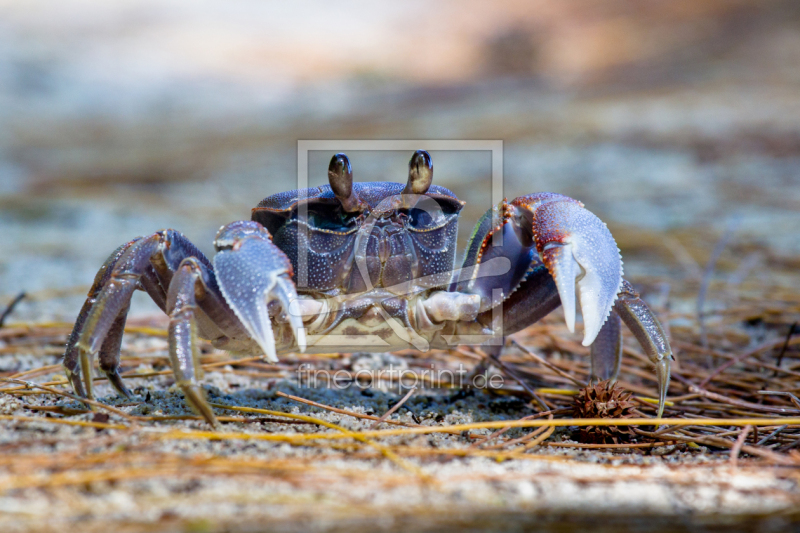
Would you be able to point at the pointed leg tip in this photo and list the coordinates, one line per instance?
(197, 402)
(662, 375)
(116, 381)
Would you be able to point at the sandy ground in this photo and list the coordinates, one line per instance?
(275, 485)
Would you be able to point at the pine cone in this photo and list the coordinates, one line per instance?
(604, 400)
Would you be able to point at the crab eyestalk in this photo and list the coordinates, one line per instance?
(420, 173)
(340, 177)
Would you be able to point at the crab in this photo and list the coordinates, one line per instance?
(369, 267)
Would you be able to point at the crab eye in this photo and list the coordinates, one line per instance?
(340, 177)
(420, 173)
(427, 214)
(421, 218)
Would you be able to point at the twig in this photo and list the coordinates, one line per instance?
(394, 408)
(738, 359)
(777, 363)
(771, 435)
(10, 307)
(795, 399)
(531, 417)
(508, 369)
(84, 423)
(547, 364)
(723, 443)
(341, 411)
(460, 428)
(737, 446)
(352, 434)
(743, 404)
(520, 440)
(608, 446)
(536, 442)
(87, 401)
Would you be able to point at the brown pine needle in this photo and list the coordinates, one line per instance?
(394, 408)
(65, 394)
(546, 363)
(99, 425)
(341, 411)
(737, 446)
(346, 432)
(424, 430)
(608, 446)
(536, 442)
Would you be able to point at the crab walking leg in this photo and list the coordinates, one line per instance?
(606, 351)
(186, 288)
(648, 331)
(109, 353)
(112, 300)
(72, 353)
(152, 286)
(149, 264)
(252, 272)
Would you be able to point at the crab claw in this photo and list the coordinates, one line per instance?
(578, 250)
(252, 272)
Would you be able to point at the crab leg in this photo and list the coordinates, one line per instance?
(187, 285)
(109, 354)
(112, 301)
(606, 351)
(147, 263)
(252, 272)
(72, 355)
(648, 331)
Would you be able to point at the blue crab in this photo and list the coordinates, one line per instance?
(369, 267)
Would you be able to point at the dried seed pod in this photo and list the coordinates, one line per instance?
(604, 400)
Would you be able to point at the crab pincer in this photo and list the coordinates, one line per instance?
(549, 235)
(252, 272)
(580, 253)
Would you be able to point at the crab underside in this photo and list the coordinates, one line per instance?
(369, 267)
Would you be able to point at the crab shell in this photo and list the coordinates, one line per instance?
(405, 243)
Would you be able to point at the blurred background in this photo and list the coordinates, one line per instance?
(671, 120)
